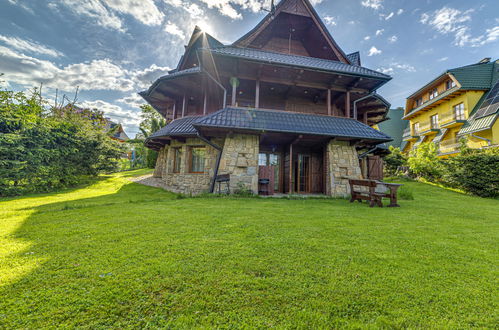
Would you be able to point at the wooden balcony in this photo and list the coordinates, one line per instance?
(406, 136)
(449, 120)
(449, 146)
(426, 128)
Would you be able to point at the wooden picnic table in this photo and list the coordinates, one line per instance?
(393, 187)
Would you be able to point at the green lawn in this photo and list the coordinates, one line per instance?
(118, 254)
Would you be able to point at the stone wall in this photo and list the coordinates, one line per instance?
(342, 163)
(185, 182)
(240, 160)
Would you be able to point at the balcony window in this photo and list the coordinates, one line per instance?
(433, 93)
(459, 111)
(434, 121)
(197, 159)
(450, 84)
(415, 128)
(419, 102)
(177, 159)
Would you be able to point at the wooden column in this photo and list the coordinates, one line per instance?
(205, 103)
(234, 91)
(183, 107)
(174, 109)
(290, 169)
(364, 118)
(329, 102)
(257, 94)
(347, 104)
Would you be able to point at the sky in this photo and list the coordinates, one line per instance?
(112, 49)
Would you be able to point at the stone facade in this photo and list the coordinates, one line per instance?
(342, 163)
(240, 160)
(184, 181)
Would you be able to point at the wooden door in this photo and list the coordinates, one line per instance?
(375, 168)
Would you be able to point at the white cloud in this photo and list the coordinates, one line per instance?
(95, 75)
(105, 12)
(374, 4)
(29, 46)
(134, 100)
(387, 17)
(330, 20)
(394, 67)
(144, 78)
(173, 29)
(367, 37)
(374, 51)
(128, 118)
(443, 59)
(392, 39)
(400, 11)
(379, 32)
(454, 21)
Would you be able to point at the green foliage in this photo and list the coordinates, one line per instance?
(424, 162)
(475, 171)
(152, 121)
(395, 159)
(110, 256)
(405, 193)
(44, 149)
(242, 190)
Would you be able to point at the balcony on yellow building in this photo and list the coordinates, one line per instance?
(449, 146)
(428, 128)
(451, 119)
(407, 136)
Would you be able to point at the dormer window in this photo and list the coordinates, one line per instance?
(433, 93)
(450, 84)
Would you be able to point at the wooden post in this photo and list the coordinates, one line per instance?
(257, 94)
(347, 104)
(290, 168)
(205, 103)
(329, 102)
(174, 109)
(234, 91)
(183, 107)
(364, 119)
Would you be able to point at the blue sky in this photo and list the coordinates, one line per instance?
(112, 49)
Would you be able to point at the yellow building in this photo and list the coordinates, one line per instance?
(461, 102)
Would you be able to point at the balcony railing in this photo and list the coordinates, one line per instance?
(450, 116)
(449, 145)
(427, 126)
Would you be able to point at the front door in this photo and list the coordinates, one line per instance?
(269, 167)
(302, 174)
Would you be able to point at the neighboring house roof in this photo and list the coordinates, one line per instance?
(473, 76)
(298, 61)
(354, 58)
(394, 127)
(438, 98)
(290, 122)
(486, 111)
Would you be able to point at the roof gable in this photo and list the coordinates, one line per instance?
(296, 24)
(199, 39)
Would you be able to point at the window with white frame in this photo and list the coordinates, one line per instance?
(433, 93)
(459, 111)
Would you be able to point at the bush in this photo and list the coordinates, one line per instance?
(405, 193)
(476, 172)
(424, 162)
(45, 149)
(395, 159)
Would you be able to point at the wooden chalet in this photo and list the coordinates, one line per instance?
(281, 110)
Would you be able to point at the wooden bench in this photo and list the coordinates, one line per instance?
(368, 193)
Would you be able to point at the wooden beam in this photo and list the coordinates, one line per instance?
(329, 102)
(183, 107)
(290, 168)
(347, 104)
(174, 109)
(234, 91)
(205, 102)
(364, 119)
(257, 94)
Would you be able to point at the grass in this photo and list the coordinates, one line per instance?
(118, 254)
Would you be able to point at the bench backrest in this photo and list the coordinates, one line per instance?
(365, 183)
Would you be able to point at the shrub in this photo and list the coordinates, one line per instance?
(393, 160)
(405, 193)
(424, 162)
(476, 172)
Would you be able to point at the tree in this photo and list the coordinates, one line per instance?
(393, 160)
(424, 162)
(152, 121)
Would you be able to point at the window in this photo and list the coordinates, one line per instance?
(459, 111)
(419, 102)
(177, 159)
(450, 84)
(197, 159)
(433, 93)
(262, 159)
(434, 121)
(415, 128)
